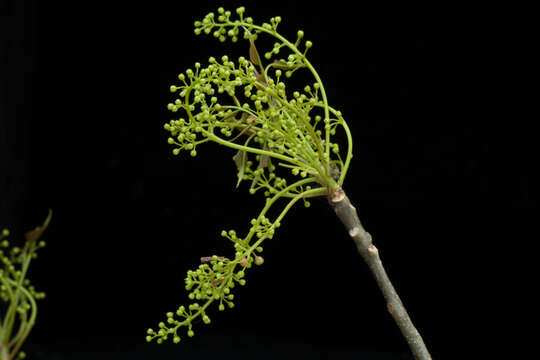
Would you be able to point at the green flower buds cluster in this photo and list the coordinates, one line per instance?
(282, 138)
(211, 282)
(18, 296)
(12, 258)
(245, 105)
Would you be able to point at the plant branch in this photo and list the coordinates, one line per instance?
(346, 212)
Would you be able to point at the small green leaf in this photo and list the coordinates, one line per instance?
(240, 161)
(253, 53)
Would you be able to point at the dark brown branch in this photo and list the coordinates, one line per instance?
(346, 212)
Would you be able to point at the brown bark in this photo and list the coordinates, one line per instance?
(346, 212)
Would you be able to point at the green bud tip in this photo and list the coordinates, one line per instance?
(5, 232)
(148, 338)
(309, 44)
(221, 307)
(176, 339)
(190, 333)
(176, 151)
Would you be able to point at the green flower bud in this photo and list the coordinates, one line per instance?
(148, 338)
(240, 10)
(300, 34)
(176, 151)
(5, 232)
(190, 333)
(206, 319)
(308, 44)
(221, 307)
(176, 339)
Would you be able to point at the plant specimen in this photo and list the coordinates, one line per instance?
(285, 149)
(18, 307)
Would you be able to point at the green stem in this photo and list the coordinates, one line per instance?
(303, 195)
(249, 149)
(24, 331)
(10, 317)
(11, 300)
(345, 167)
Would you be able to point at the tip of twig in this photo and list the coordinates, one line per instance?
(337, 195)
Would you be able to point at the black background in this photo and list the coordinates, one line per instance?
(83, 100)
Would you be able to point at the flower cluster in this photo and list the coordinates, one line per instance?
(246, 105)
(12, 258)
(215, 278)
(18, 297)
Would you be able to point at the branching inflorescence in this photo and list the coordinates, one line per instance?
(245, 105)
